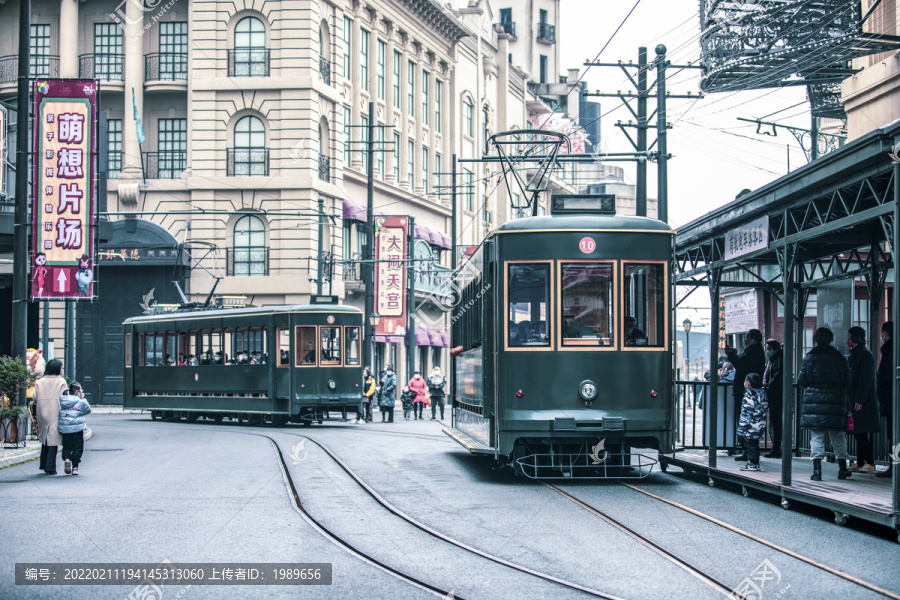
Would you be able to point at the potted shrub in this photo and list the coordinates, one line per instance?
(14, 377)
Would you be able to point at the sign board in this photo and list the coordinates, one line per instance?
(391, 245)
(834, 303)
(65, 139)
(741, 313)
(747, 238)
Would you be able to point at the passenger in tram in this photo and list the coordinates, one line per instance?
(824, 376)
(192, 361)
(886, 385)
(217, 358)
(634, 335)
(256, 358)
(752, 423)
(863, 403)
(751, 360)
(772, 382)
(310, 357)
(285, 357)
(182, 360)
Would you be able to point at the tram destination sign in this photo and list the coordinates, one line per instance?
(65, 138)
(747, 238)
(390, 278)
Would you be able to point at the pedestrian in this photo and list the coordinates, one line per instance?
(752, 423)
(772, 383)
(418, 385)
(368, 395)
(406, 398)
(47, 392)
(72, 408)
(751, 360)
(863, 403)
(886, 385)
(824, 376)
(436, 383)
(388, 395)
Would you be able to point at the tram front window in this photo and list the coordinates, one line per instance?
(528, 296)
(588, 294)
(645, 304)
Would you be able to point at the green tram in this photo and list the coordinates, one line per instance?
(275, 364)
(563, 343)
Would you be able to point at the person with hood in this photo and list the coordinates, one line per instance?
(418, 385)
(886, 385)
(388, 395)
(406, 398)
(824, 376)
(72, 408)
(368, 395)
(751, 360)
(772, 383)
(752, 423)
(47, 392)
(863, 404)
(436, 383)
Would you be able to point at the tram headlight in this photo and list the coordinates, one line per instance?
(587, 389)
(331, 384)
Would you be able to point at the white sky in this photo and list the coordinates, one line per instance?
(714, 155)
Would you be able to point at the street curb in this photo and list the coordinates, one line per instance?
(31, 454)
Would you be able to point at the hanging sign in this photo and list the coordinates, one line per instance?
(747, 238)
(65, 136)
(390, 274)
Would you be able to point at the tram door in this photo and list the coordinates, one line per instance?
(281, 351)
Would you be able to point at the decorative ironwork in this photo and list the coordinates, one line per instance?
(248, 62)
(325, 70)
(165, 165)
(507, 27)
(247, 261)
(165, 66)
(42, 65)
(546, 33)
(107, 67)
(242, 162)
(324, 167)
(825, 100)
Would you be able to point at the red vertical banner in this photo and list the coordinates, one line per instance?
(390, 274)
(63, 209)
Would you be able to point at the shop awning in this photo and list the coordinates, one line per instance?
(352, 212)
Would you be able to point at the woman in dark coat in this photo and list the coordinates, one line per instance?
(388, 395)
(885, 386)
(863, 404)
(824, 377)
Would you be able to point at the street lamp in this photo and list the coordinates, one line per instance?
(374, 319)
(687, 346)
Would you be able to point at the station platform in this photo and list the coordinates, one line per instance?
(863, 496)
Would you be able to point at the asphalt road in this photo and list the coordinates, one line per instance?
(205, 493)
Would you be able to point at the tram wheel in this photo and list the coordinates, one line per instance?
(841, 518)
(218, 418)
(785, 504)
(745, 491)
(154, 415)
(711, 482)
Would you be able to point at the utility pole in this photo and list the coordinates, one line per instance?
(662, 179)
(19, 337)
(320, 270)
(453, 200)
(411, 300)
(641, 184)
(369, 269)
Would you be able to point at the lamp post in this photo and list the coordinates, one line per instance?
(687, 347)
(374, 319)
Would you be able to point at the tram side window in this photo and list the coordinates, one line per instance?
(193, 349)
(230, 350)
(171, 352)
(256, 346)
(331, 345)
(140, 349)
(127, 350)
(645, 304)
(305, 337)
(588, 294)
(215, 347)
(528, 289)
(284, 346)
(183, 352)
(352, 334)
(203, 350)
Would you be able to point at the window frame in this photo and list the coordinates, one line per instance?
(331, 363)
(256, 54)
(347, 45)
(364, 58)
(128, 352)
(396, 83)
(551, 308)
(666, 308)
(468, 119)
(279, 330)
(249, 247)
(297, 338)
(617, 330)
(379, 68)
(356, 342)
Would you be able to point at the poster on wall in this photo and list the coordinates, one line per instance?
(741, 312)
(390, 274)
(834, 303)
(65, 138)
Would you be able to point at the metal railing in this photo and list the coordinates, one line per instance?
(247, 262)
(107, 67)
(325, 70)
(42, 65)
(243, 162)
(165, 66)
(324, 167)
(546, 33)
(113, 164)
(433, 277)
(165, 165)
(507, 26)
(248, 62)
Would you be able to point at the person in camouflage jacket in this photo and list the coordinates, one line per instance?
(752, 424)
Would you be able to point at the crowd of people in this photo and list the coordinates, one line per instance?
(417, 394)
(215, 358)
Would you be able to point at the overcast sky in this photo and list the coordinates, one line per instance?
(715, 156)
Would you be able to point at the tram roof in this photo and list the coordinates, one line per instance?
(233, 312)
(584, 222)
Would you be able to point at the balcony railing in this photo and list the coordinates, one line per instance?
(247, 262)
(244, 162)
(164, 165)
(325, 70)
(113, 165)
(165, 66)
(248, 62)
(433, 278)
(507, 26)
(106, 67)
(42, 65)
(324, 167)
(546, 33)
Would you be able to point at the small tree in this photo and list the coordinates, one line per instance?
(14, 376)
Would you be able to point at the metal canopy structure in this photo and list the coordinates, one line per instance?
(830, 220)
(753, 44)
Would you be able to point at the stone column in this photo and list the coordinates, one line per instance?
(417, 176)
(403, 128)
(134, 80)
(68, 38)
(356, 87)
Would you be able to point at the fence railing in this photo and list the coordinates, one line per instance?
(247, 162)
(324, 167)
(165, 165)
(108, 67)
(507, 26)
(42, 65)
(248, 62)
(325, 70)
(165, 66)
(247, 261)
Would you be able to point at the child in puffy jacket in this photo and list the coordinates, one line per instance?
(72, 408)
(407, 399)
(752, 424)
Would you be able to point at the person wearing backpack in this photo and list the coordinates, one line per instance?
(72, 408)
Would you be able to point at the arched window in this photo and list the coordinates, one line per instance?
(250, 57)
(325, 53)
(249, 156)
(249, 248)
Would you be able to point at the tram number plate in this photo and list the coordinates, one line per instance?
(587, 245)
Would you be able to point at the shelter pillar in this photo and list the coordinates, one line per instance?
(714, 277)
(787, 439)
(895, 437)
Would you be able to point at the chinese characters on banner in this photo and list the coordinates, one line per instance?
(747, 238)
(63, 196)
(391, 244)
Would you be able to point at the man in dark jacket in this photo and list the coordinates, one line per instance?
(824, 377)
(863, 404)
(751, 360)
(886, 385)
(772, 382)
